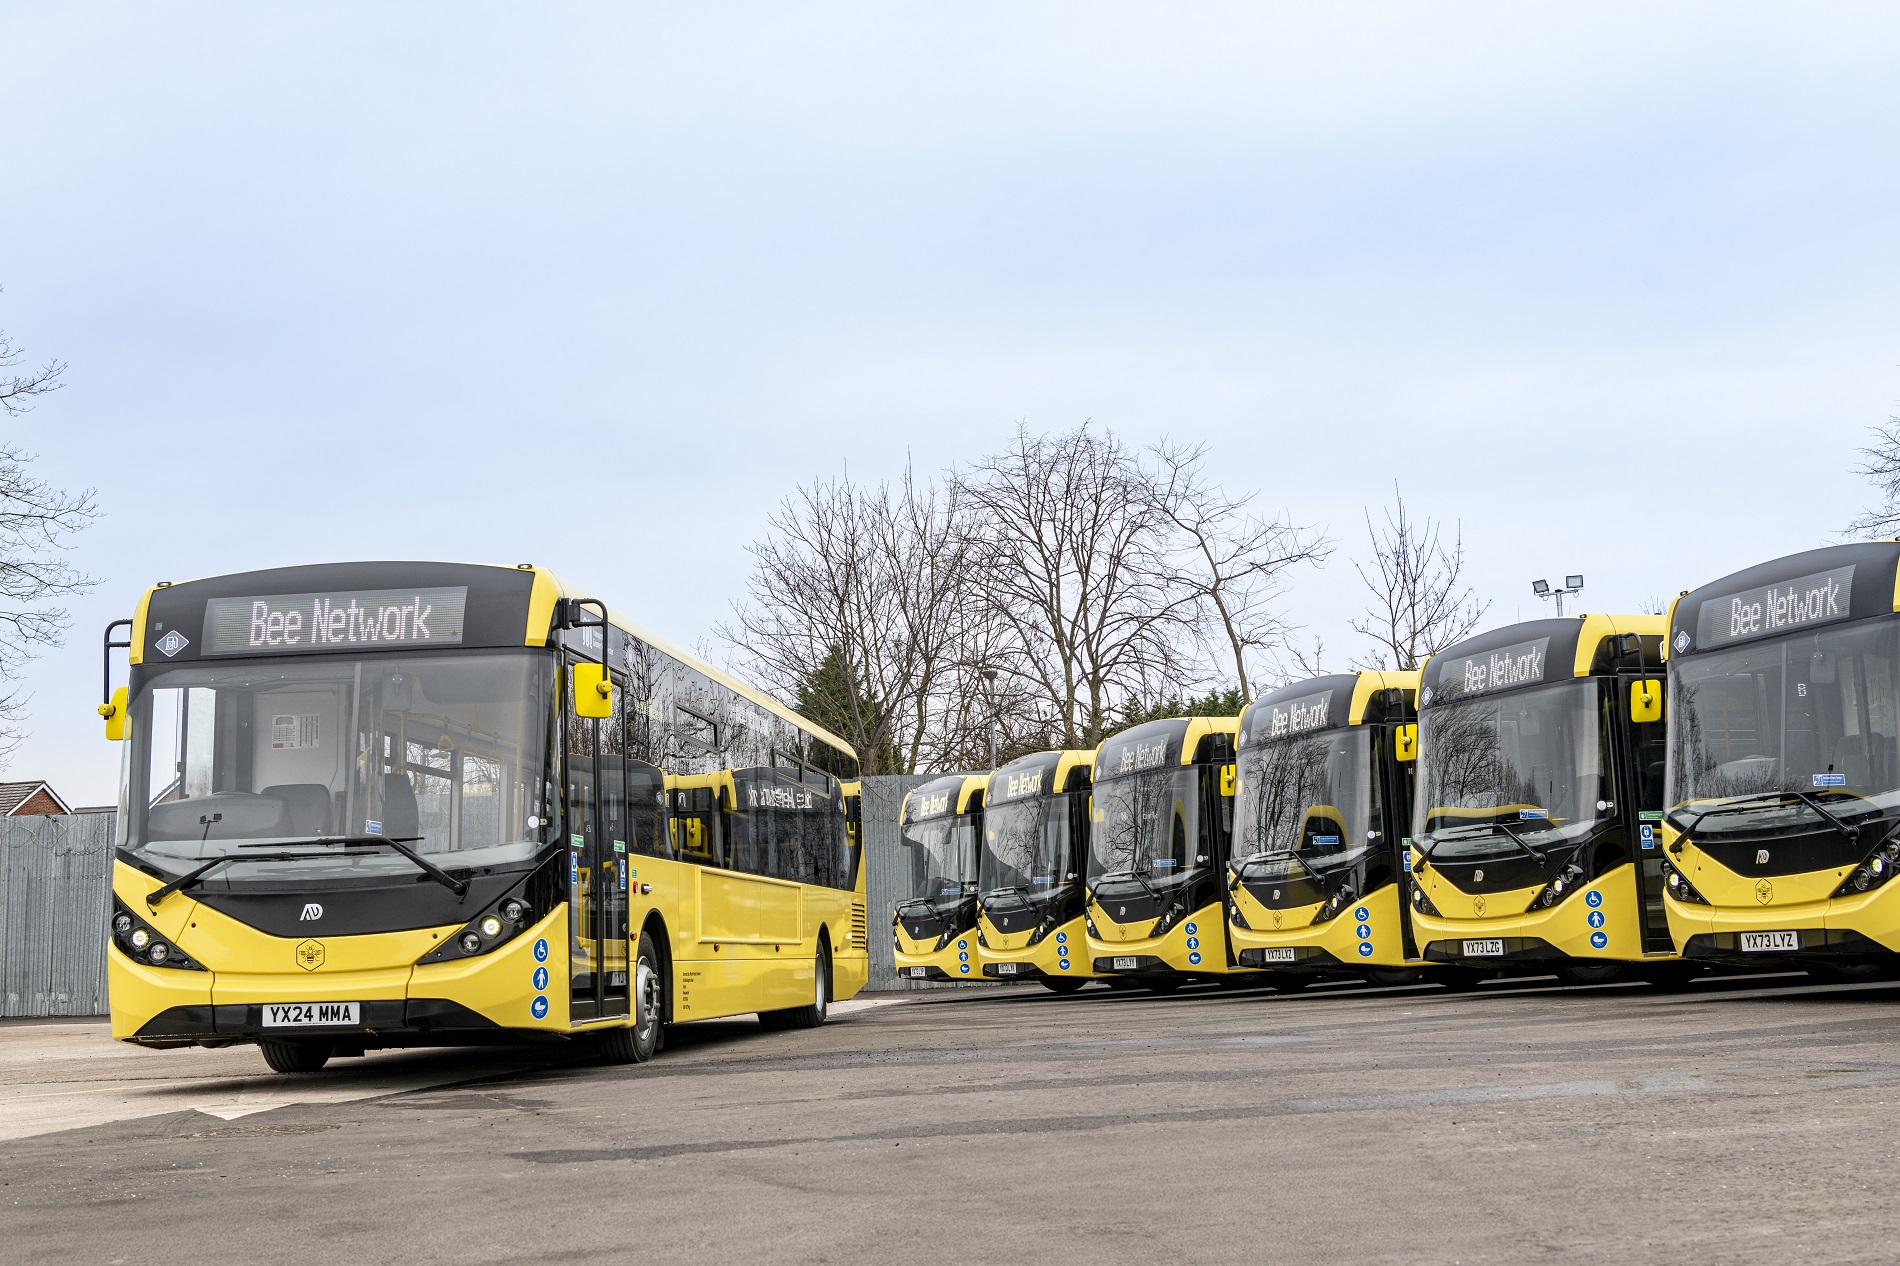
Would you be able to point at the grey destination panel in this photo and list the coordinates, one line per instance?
(340, 620)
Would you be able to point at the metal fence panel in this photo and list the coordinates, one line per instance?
(887, 877)
(55, 880)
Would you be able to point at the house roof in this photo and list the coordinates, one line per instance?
(15, 794)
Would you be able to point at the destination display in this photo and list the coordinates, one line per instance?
(1816, 598)
(1288, 718)
(1520, 664)
(346, 620)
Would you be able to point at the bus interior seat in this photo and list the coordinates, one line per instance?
(307, 804)
(401, 818)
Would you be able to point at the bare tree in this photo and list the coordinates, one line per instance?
(1881, 467)
(37, 522)
(1420, 605)
(1073, 548)
(1234, 561)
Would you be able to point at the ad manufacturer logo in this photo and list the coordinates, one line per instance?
(311, 912)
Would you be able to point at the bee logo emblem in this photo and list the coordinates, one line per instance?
(1477, 906)
(1764, 891)
(310, 955)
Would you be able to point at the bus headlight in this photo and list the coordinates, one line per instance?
(1873, 872)
(1422, 903)
(1677, 885)
(1566, 883)
(141, 943)
(511, 914)
(1334, 904)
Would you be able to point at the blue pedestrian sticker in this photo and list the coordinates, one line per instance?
(963, 945)
(1193, 929)
(1064, 964)
(1062, 938)
(1363, 932)
(539, 1009)
(1194, 959)
(1596, 918)
(1593, 899)
(1062, 951)
(540, 979)
(1648, 834)
(1598, 940)
(1362, 914)
(964, 968)
(541, 951)
(1194, 942)
(963, 956)
(1365, 949)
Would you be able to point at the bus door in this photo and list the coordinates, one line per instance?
(1644, 747)
(598, 853)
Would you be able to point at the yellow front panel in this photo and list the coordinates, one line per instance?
(1196, 944)
(1610, 930)
(957, 959)
(500, 985)
(138, 992)
(1063, 952)
(1380, 944)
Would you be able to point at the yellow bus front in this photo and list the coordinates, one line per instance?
(1158, 849)
(1783, 831)
(934, 927)
(1030, 891)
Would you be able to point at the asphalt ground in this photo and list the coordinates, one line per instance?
(1738, 1120)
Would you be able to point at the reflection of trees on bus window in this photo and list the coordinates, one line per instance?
(1312, 796)
(1148, 824)
(1534, 758)
(943, 858)
(1815, 713)
(1026, 845)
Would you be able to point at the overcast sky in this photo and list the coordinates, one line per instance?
(592, 287)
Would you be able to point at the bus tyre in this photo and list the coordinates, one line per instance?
(295, 1057)
(806, 1017)
(1458, 979)
(1395, 976)
(1589, 973)
(1161, 984)
(1843, 973)
(642, 1038)
(1121, 982)
(1062, 984)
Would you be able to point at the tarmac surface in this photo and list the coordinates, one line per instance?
(1739, 1120)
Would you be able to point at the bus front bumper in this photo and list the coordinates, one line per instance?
(1062, 954)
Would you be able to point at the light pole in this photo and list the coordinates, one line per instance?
(1572, 585)
(989, 692)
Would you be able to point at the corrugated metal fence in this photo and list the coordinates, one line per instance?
(55, 877)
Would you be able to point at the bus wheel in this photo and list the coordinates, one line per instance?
(1395, 975)
(1120, 982)
(1458, 979)
(1289, 983)
(1062, 984)
(807, 1017)
(640, 1040)
(1830, 973)
(296, 1057)
(1589, 973)
(1161, 984)
(1671, 975)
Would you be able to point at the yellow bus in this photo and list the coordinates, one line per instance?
(1030, 887)
(1540, 771)
(1323, 805)
(1784, 765)
(370, 805)
(934, 928)
(1158, 851)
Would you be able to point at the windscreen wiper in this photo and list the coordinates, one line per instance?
(191, 877)
(1741, 804)
(1465, 833)
(1021, 893)
(1138, 877)
(399, 844)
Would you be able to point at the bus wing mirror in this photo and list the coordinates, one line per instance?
(593, 691)
(1227, 780)
(1646, 700)
(1405, 741)
(114, 713)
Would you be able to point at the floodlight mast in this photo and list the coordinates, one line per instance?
(1573, 584)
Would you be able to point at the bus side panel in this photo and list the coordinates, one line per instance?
(751, 951)
(502, 985)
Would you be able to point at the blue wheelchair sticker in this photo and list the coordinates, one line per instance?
(1194, 959)
(541, 950)
(963, 945)
(1596, 918)
(1062, 938)
(1362, 914)
(1598, 940)
(1593, 899)
(1194, 942)
(1365, 949)
(1193, 929)
(540, 979)
(539, 1009)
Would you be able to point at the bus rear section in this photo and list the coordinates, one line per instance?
(1030, 877)
(1323, 802)
(1784, 765)
(1158, 851)
(1540, 763)
(934, 926)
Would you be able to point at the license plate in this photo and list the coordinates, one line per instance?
(920, 973)
(1127, 964)
(1008, 969)
(306, 1015)
(1770, 942)
(1277, 955)
(1491, 947)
